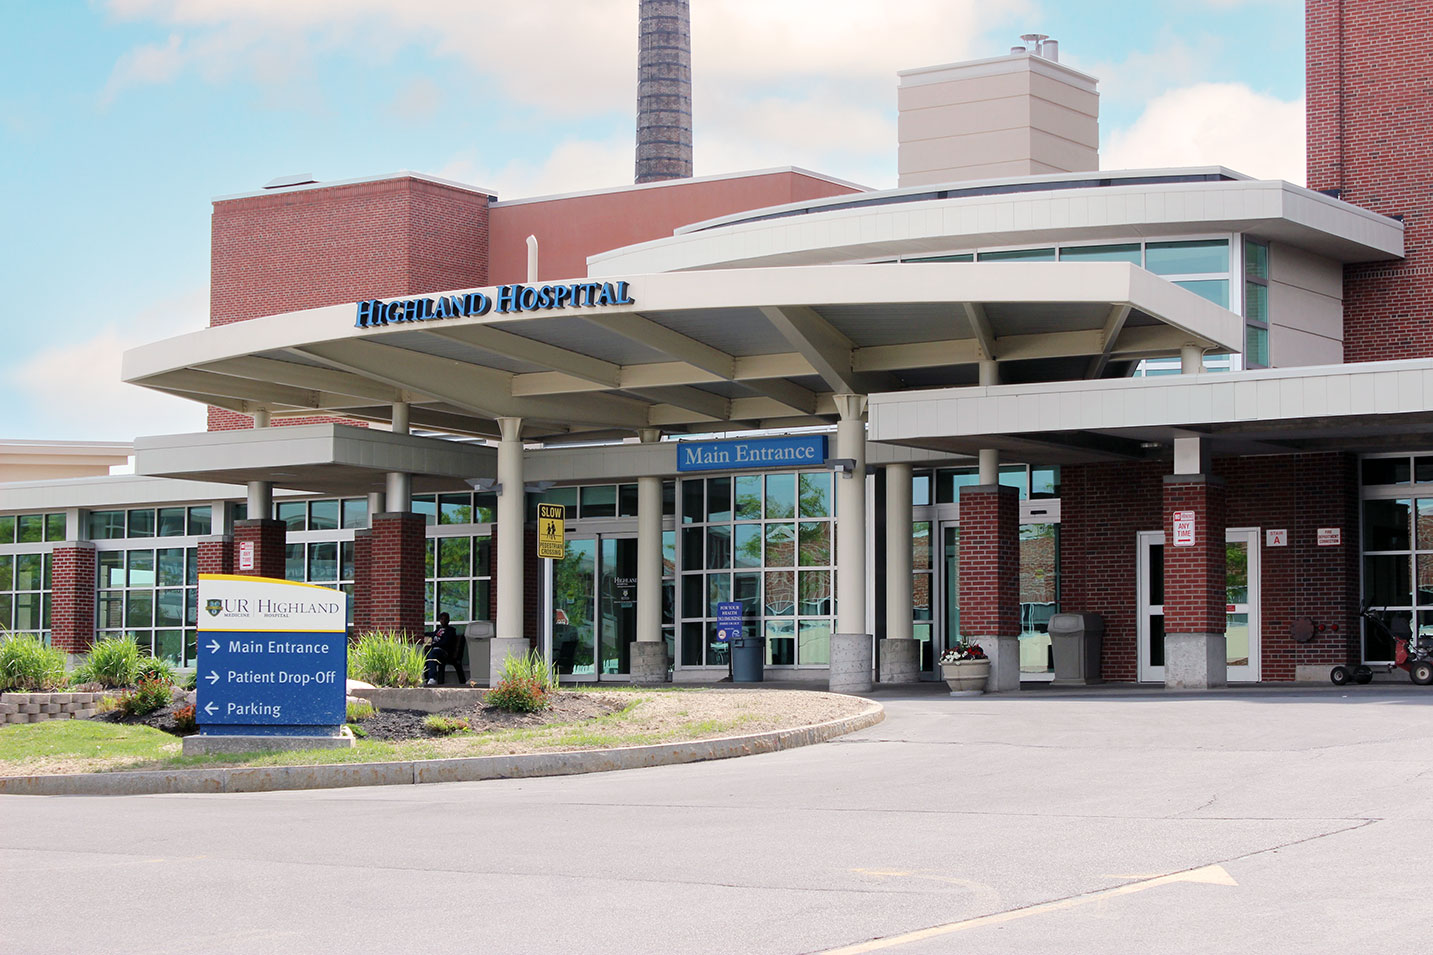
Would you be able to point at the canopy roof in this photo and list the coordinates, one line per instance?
(696, 351)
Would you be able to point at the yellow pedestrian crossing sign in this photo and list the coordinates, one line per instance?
(550, 540)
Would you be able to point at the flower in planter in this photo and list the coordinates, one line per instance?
(963, 651)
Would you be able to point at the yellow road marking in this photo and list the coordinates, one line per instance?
(1209, 875)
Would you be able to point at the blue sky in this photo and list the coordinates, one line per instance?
(120, 121)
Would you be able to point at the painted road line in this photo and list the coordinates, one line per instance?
(1209, 875)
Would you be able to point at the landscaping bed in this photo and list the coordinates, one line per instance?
(399, 724)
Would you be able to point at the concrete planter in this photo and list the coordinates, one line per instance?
(965, 677)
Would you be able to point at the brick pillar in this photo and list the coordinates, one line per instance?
(395, 575)
(72, 597)
(216, 555)
(1194, 584)
(362, 581)
(269, 539)
(990, 578)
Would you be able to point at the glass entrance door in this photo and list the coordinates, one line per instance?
(594, 607)
(1241, 607)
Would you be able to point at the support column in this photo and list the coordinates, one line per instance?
(1195, 656)
(899, 652)
(509, 639)
(72, 598)
(851, 649)
(260, 501)
(268, 539)
(363, 582)
(397, 545)
(216, 554)
(649, 653)
(990, 578)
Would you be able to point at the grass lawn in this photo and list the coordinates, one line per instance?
(75, 746)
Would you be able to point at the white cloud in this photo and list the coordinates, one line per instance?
(573, 165)
(74, 391)
(1225, 124)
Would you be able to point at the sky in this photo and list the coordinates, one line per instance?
(120, 121)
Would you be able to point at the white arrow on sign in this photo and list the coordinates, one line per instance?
(212, 678)
(212, 646)
(209, 708)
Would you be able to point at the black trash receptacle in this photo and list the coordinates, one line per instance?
(748, 659)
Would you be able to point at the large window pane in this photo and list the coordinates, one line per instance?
(323, 515)
(1186, 258)
(746, 546)
(1386, 525)
(746, 589)
(355, 513)
(106, 525)
(54, 527)
(718, 545)
(7, 528)
(29, 572)
(599, 500)
(1385, 581)
(815, 592)
(139, 608)
(748, 497)
(781, 495)
(169, 608)
(920, 545)
(323, 562)
(455, 508)
(780, 643)
(294, 562)
(692, 500)
(693, 551)
(7, 573)
(718, 591)
(31, 528)
(780, 545)
(780, 593)
(814, 639)
(294, 514)
(453, 599)
(141, 568)
(1216, 290)
(1256, 260)
(171, 567)
(171, 522)
(1424, 521)
(427, 505)
(718, 499)
(1256, 346)
(454, 556)
(1018, 255)
(815, 544)
(201, 520)
(1385, 470)
(816, 494)
(1124, 252)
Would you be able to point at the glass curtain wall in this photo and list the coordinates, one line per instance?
(25, 571)
(1397, 546)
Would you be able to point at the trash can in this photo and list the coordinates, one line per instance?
(1076, 638)
(748, 659)
(479, 636)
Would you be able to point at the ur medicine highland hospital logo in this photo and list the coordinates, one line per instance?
(214, 607)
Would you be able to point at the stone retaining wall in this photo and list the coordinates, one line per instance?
(38, 707)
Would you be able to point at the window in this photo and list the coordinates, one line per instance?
(31, 528)
(766, 541)
(151, 594)
(459, 577)
(25, 580)
(1396, 546)
(1017, 255)
(1124, 252)
(1256, 304)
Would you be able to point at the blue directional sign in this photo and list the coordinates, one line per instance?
(273, 656)
(728, 621)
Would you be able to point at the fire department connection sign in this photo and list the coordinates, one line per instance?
(272, 654)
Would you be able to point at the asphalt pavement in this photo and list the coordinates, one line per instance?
(1110, 821)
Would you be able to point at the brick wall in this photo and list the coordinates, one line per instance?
(1194, 574)
(1367, 97)
(269, 539)
(396, 572)
(72, 597)
(296, 249)
(990, 561)
(216, 555)
(1104, 506)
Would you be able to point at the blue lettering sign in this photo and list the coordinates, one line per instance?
(728, 621)
(787, 451)
(505, 299)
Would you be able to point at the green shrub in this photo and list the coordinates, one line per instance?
(113, 661)
(386, 659)
(192, 680)
(153, 668)
(525, 684)
(359, 710)
(444, 725)
(147, 697)
(26, 663)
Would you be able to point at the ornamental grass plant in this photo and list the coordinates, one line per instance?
(113, 661)
(386, 658)
(526, 684)
(28, 665)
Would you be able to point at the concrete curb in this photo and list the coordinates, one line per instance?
(466, 769)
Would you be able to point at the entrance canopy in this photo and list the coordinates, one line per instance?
(1352, 407)
(686, 351)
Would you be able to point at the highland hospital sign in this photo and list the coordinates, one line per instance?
(505, 299)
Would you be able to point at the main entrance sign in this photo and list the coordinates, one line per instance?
(787, 451)
(505, 299)
(273, 656)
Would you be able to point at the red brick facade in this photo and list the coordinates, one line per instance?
(72, 597)
(1105, 506)
(1194, 574)
(306, 248)
(397, 543)
(990, 561)
(216, 555)
(1368, 137)
(269, 539)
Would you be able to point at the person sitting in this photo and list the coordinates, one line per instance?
(444, 647)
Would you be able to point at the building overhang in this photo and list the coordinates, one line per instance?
(323, 458)
(1355, 407)
(695, 351)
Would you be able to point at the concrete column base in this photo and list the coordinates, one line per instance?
(851, 663)
(499, 649)
(900, 660)
(649, 662)
(1004, 654)
(1195, 661)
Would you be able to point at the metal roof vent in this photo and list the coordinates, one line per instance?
(291, 180)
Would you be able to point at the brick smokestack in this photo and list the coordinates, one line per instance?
(664, 91)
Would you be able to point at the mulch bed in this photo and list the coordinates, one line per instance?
(392, 725)
(160, 719)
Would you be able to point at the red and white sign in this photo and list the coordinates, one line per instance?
(1279, 538)
(246, 555)
(1330, 536)
(1183, 528)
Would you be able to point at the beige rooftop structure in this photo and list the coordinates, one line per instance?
(53, 460)
(1023, 114)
